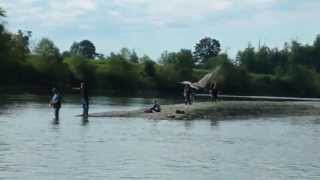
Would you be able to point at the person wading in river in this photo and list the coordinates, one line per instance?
(187, 93)
(213, 92)
(55, 103)
(84, 98)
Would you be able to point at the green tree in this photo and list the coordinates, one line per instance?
(167, 78)
(233, 79)
(316, 53)
(149, 68)
(168, 57)
(184, 64)
(303, 82)
(125, 53)
(2, 12)
(85, 48)
(48, 63)
(81, 68)
(263, 60)
(20, 45)
(145, 58)
(129, 55)
(206, 49)
(7, 63)
(121, 74)
(182, 61)
(47, 49)
(316, 42)
(134, 58)
(247, 59)
(75, 49)
(218, 60)
(66, 54)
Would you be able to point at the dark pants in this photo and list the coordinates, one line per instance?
(56, 113)
(214, 94)
(85, 107)
(188, 99)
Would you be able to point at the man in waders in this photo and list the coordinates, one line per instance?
(56, 103)
(84, 99)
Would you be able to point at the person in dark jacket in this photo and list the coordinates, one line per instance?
(187, 93)
(84, 98)
(56, 103)
(213, 92)
(155, 108)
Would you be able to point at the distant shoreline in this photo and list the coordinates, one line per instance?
(222, 110)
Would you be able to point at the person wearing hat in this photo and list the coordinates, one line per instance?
(55, 103)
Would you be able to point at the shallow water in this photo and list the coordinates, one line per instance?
(32, 147)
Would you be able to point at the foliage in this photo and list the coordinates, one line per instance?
(80, 68)
(47, 49)
(128, 55)
(134, 58)
(182, 62)
(293, 70)
(85, 48)
(20, 44)
(167, 78)
(234, 79)
(2, 12)
(206, 49)
(304, 82)
(149, 68)
(49, 71)
(217, 61)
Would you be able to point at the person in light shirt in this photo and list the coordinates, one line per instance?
(55, 103)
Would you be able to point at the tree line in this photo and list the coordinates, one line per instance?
(293, 70)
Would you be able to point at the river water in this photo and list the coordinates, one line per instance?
(32, 147)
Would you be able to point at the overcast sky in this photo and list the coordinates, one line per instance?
(152, 26)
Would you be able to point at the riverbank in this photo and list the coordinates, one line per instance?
(221, 110)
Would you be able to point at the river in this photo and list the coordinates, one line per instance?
(33, 147)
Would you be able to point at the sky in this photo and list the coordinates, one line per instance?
(153, 26)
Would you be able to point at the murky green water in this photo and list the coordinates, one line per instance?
(32, 147)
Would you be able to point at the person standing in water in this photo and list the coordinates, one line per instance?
(187, 93)
(84, 98)
(55, 103)
(213, 92)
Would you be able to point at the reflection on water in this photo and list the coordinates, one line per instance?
(85, 121)
(55, 122)
(33, 147)
(214, 123)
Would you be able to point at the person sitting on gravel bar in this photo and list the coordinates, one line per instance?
(155, 108)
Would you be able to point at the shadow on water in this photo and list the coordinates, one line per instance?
(188, 124)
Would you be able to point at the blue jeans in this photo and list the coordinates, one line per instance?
(85, 107)
(56, 113)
